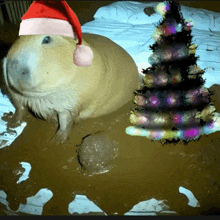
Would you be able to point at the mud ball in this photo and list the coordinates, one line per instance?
(96, 154)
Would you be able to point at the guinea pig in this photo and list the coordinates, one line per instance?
(41, 77)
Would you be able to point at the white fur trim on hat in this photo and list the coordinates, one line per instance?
(46, 26)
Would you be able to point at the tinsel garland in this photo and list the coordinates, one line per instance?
(174, 118)
(163, 78)
(191, 133)
(171, 99)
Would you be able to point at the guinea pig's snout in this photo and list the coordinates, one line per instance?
(20, 69)
(24, 71)
(19, 75)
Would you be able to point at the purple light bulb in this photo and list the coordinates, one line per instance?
(154, 101)
(191, 133)
(177, 119)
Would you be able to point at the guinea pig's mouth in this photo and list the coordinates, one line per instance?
(27, 93)
(10, 85)
(35, 91)
(19, 89)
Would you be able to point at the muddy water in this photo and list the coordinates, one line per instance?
(139, 169)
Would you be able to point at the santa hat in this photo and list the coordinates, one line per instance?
(56, 18)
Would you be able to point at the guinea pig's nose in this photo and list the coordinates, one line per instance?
(17, 67)
(24, 71)
(19, 75)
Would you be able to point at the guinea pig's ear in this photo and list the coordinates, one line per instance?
(47, 40)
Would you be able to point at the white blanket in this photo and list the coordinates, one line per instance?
(126, 24)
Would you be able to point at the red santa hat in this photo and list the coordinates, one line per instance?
(56, 18)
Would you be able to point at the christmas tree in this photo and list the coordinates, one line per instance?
(173, 105)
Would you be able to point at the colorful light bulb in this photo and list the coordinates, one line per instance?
(154, 101)
(191, 133)
(177, 119)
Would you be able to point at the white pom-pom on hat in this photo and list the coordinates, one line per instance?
(83, 56)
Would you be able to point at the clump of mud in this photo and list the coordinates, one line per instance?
(96, 154)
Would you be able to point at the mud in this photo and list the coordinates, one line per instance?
(139, 169)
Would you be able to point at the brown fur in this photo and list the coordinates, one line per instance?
(54, 87)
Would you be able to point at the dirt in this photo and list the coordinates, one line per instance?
(139, 169)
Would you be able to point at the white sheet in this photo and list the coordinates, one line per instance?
(126, 24)
(133, 13)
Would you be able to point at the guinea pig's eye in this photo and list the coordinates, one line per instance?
(46, 40)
